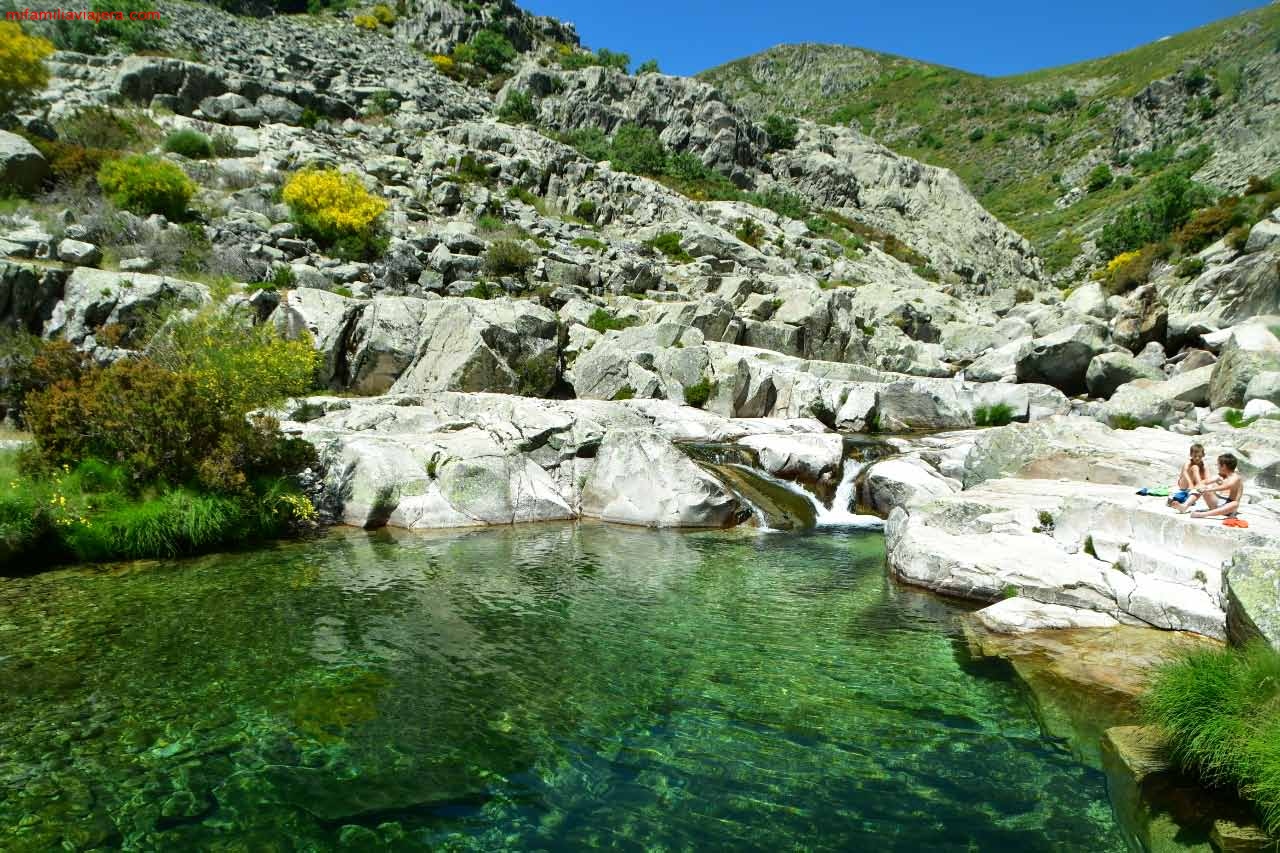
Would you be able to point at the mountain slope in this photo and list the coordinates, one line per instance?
(1026, 144)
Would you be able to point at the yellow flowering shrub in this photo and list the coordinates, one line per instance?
(445, 64)
(1127, 270)
(336, 209)
(22, 68)
(1121, 260)
(384, 14)
(145, 185)
(365, 22)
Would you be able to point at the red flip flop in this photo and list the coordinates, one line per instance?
(1235, 522)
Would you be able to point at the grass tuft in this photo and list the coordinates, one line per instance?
(1220, 710)
(998, 414)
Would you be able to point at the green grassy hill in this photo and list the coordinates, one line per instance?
(1022, 142)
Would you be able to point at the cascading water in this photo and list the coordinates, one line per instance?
(836, 515)
(839, 514)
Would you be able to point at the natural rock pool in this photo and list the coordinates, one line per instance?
(537, 687)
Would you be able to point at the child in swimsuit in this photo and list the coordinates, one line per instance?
(1224, 493)
(1189, 478)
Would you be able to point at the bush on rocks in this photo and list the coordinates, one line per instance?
(699, 393)
(518, 108)
(336, 210)
(782, 131)
(491, 50)
(668, 243)
(507, 257)
(22, 70)
(997, 414)
(100, 127)
(189, 143)
(159, 456)
(1128, 270)
(144, 185)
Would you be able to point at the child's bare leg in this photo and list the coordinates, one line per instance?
(1228, 508)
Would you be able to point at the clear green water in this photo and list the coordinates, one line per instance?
(542, 687)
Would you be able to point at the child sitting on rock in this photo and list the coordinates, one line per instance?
(1189, 478)
(1223, 494)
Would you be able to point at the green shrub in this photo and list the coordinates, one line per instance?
(750, 232)
(189, 143)
(179, 416)
(590, 142)
(1126, 421)
(1236, 418)
(145, 185)
(649, 66)
(586, 210)
(781, 202)
(668, 243)
(977, 134)
(590, 243)
(626, 392)
(487, 224)
(1219, 708)
(100, 127)
(282, 277)
(602, 321)
(782, 132)
(507, 257)
(492, 50)
(637, 149)
(1168, 203)
(1190, 267)
(997, 414)
(380, 103)
(571, 59)
(135, 34)
(1099, 178)
(687, 167)
(518, 108)
(699, 393)
(484, 290)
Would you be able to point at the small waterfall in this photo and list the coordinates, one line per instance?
(838, 514)
(778, 504)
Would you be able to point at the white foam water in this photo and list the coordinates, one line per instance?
(838, 514)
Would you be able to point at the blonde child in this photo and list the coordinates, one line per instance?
(1190, 477)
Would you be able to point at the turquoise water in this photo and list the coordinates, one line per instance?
(545, 687)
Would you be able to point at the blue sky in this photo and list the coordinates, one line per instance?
(992, 37)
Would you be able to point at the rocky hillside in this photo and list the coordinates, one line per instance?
(1027, 144)
(540, 223)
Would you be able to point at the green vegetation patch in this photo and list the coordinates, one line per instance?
(1220, 710)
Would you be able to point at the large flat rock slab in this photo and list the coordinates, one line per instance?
(1080, 545)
